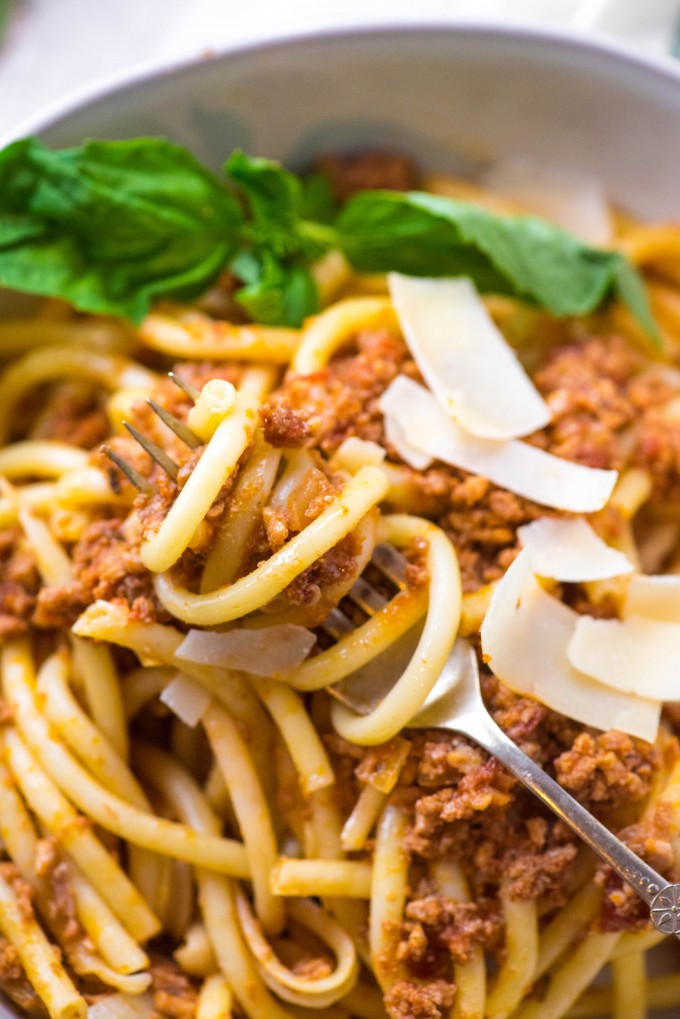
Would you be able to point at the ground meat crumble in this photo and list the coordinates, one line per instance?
(174, 995)
(19, 584)
(609, 768)
(432, 1000)
(607, 407)
(74, 415)
(106, 565)
(436, 922)
(367, 170)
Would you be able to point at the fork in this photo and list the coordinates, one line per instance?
(454, 704)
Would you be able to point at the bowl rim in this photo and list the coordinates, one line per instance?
(613, 52)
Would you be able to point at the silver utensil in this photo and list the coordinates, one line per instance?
(455, 704)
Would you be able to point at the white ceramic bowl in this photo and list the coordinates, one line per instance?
(454, 96)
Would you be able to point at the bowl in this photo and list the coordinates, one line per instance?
(454, 95)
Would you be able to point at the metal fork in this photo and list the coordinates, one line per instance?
(455, 702)
(181, 430)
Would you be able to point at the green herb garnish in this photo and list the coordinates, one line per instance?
(4, 17)
(110, 226)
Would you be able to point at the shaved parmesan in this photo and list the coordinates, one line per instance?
(655, 597)
(264, 652)
(569, 550)
(396, 436)
(186, 699)
(525, 636)
(513, 465)
(465, 359)
(570, 199)
(636, 655)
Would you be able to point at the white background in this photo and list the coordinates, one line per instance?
(57, 46)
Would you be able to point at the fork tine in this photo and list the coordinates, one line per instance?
(182, 431)
(338, 694)
(391, 563)
(185, 386)
(336, 623)
(366, 597)
(130, 472)
(154, 451)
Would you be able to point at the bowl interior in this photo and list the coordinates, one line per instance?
(454, 97)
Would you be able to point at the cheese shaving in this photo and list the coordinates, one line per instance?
(569, 198)
(657, 597)
(525, 636)
(186, 699)
(569, 550)
(465, 359)
(636, 655)
(396, 437)
(265, 652)
(513, 465)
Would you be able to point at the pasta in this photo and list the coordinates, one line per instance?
(194, 819)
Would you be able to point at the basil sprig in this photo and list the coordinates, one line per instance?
(111, 226)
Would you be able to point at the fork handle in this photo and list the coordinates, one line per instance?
(662, 897)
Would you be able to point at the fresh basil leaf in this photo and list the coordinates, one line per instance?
(18, 230)
(318, 202)
(246, 266)
(4, 17)
(275, 293)
(389, 232)
(114, 224)
(280, 289)
(630, 288)
(429, 235)
(276, 201)
(111, 226)
(273, 196)
(273, 193)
